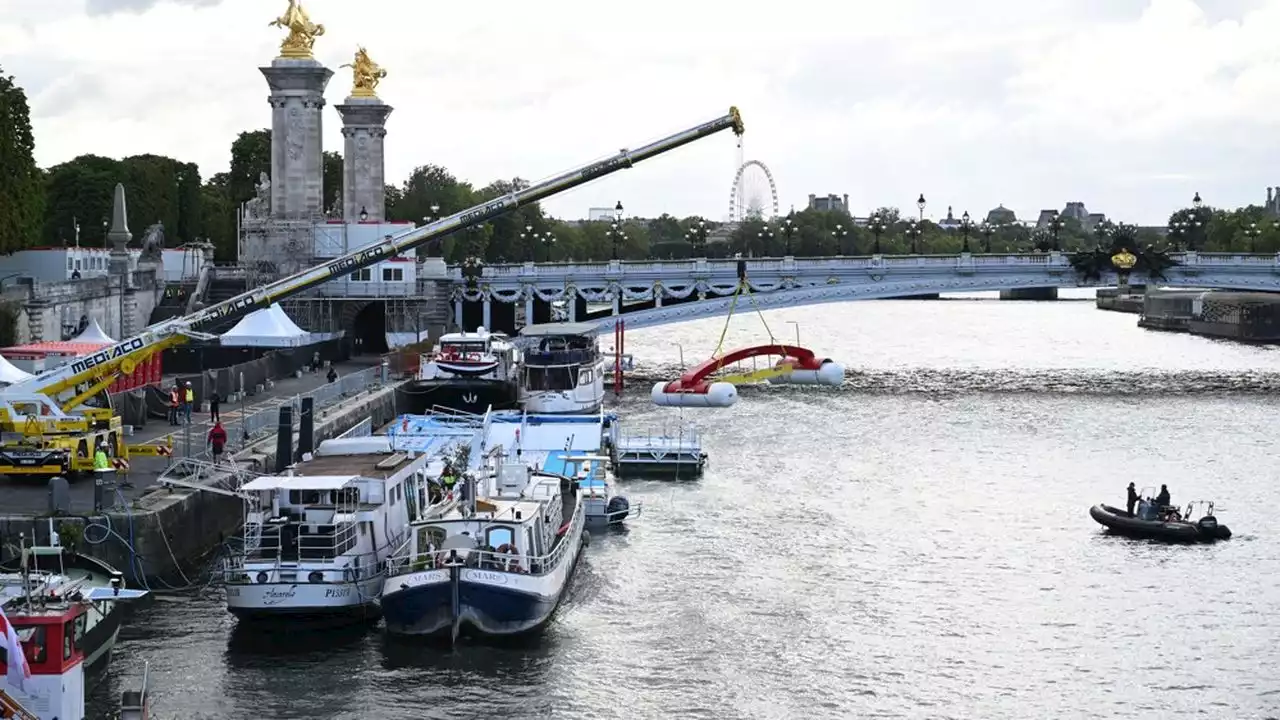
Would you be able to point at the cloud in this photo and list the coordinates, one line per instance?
(1128, 105)
(110, 7)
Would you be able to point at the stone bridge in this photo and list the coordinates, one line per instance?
(653, 293)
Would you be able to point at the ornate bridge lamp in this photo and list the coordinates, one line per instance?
(1198, 222)
(1055, 227)
(987, 231)
(1252, 232)
(788, 229)
(840, 233)
(966, 227)
(1103, 231)
(920, 203)
(529, 239)
(766, 238)
(548, 240)
(697, 236)
(616, 235)
(877, 226)
(1123, 262)
(913, 232)
(1178, 230)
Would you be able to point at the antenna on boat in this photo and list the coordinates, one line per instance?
(26, 570)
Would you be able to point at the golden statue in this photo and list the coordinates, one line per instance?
(365, 75)
(302, 32)
(1124, 260)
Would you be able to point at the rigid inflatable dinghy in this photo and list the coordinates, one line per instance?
(1167, 524)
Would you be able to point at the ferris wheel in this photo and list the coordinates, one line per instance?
(754, 195)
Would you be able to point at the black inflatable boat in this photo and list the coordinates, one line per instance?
(1152, 527)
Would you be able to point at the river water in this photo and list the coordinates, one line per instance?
(914, 545)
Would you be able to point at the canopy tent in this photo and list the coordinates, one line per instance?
(10, 374)
(264, 328)
(93, 334)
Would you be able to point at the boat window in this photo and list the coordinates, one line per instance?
(430, 536)
(81, 621)
(552, 378)
(498, 536)
(585, 376)
(461, 348)
(34, 640)
(304, 497)
(68, 635)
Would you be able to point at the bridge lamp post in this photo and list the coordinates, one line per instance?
(987, 231)
(840, 233)
(615, 231)
(920, 203)
(548, 240)
(966, 227)
(1178, 230)
(529, 239)
(364, 214)
(766, 238)
(788, 229)
(1103, 231)
(877, 226)
(913, 232)
(697, 236)
(1055, 227)
(1252, 232)
(1198, 221)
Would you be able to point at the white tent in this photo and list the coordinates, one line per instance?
(263, 328)
(93, 334)
(10, 374)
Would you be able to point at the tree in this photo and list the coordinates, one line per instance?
(332, 192)
(21, 191)
(219, 217)
(250, 156)
(79, 192)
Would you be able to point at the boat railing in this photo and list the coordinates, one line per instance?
(309, 546)
(492, 560)
(683, 434)
(359, 566)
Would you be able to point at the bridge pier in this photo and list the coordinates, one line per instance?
(487, 313)
(1040, 293)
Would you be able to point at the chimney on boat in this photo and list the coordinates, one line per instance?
(306, 426)
(284, 439)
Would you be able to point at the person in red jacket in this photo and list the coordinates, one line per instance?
(217, 440)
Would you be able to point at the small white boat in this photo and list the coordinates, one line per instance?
(317, 538)
(494, 566)
(563, 369)
(467, 372)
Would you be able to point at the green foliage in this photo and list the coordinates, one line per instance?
(21, 194)
(331, 196)
(250, 157)
(157, 189)
(9, 322)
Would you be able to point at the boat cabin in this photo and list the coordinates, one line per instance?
(513, 531)
(331, 510)
(51, 639)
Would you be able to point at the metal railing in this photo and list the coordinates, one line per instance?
(364, 428)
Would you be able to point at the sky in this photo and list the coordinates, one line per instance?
(1130, 106)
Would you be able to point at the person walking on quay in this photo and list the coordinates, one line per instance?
(217, 441)
(101, 475)
(189, 397)
(214, 401)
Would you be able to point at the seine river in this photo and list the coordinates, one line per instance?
(916, 544)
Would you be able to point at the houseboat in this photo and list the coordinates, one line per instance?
(494, 566)
(468, 372)
(317, 537)
(563, 369)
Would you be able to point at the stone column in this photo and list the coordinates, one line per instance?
(364, 129)
(119, 235)
(297, 150)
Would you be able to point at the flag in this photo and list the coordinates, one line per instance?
(19, 670)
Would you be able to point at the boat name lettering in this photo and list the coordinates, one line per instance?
(281, 595)
(339, 592)
(106, 355)
(487, 576)
(430, 576)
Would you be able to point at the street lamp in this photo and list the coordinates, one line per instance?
(839, 234)
(877, 227)
(766, 239)
(1055, 227)
(788, 229)
(920, 204)
(364, 214)
(1179, 229)
(529, 239)
(1104, 231)
(548, 240)
(697, 236)
(106, 225)
(987, 231)
(1196, 202)
(615, 230)
(1252, 232)
(913, 232)
(966, 227)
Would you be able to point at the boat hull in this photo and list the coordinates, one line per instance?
(469, 395)
(1120, 522)
(305, 601)
(488, 603)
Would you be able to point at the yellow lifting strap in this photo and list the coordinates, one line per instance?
(725, 330)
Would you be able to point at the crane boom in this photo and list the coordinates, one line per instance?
(123, 356)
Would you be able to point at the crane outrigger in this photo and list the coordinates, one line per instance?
(47, 428)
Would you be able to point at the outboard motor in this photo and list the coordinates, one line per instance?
(617, 508)
(1207, 526)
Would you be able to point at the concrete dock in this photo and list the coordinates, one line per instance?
(155, 532)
